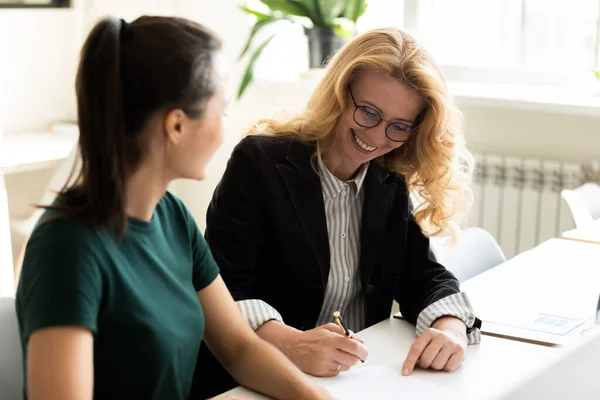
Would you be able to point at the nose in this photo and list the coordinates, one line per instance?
(377, 134)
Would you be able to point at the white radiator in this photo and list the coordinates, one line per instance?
(518, 199)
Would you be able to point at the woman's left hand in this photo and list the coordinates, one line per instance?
(441, 347)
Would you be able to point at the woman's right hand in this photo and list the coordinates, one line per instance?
(323, 351)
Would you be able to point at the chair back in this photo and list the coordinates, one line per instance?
(475, 252)
(583, 202)
(11, 364)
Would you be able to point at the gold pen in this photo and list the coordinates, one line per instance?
(338, 320)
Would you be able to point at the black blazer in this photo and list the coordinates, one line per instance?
(267, 230)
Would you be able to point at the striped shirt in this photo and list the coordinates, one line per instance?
(343, 210)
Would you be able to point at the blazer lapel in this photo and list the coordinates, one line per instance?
(378, 201)
(304, 187)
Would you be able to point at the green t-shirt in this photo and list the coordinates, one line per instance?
(137, 296)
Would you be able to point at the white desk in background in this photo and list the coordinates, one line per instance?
(590, 233)
(546, 295)
(489, 370)
(23, 152)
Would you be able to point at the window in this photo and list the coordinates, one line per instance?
(34, 3)
(555, 39)
(516, 41)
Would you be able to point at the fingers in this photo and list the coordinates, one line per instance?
(455, 360)
(333, 368)
(440, 360)
(353, 336)
(334, 328)
(431, 351)
(415, 352)
(352, 347)
(438, 350)
(344, 358)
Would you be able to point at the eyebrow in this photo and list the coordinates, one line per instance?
(381, 112)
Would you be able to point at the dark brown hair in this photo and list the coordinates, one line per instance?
(127, 72)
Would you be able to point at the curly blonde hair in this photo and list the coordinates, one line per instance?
(435, 162)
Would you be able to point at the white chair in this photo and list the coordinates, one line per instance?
(584, 203)
(11, 359)
(475, 251)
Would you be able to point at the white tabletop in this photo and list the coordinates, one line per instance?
(589, 233)
(558, 278)
(28, 151)
(488, 371)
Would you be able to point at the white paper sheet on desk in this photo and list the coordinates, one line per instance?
(377, 382)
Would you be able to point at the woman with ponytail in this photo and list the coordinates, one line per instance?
(118, 287)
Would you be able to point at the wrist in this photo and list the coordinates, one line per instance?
(278, 334)
(311, 391)
(450, 323)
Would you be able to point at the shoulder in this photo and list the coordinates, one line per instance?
(265, 148)
(63, 249)
(171, 203)
(171, 208)
(53, 231)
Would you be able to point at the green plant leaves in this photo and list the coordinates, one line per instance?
(344, 28)
(340, 15)
(597, 73)
(249, 73)
(354, 9)
(315, 12)
(289, 7)
(331, 9)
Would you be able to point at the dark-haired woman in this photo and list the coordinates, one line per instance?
(118, 286)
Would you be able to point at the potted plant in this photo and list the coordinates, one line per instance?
(328, 24)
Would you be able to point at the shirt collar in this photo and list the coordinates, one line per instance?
(332, 186)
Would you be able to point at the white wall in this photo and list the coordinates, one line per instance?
(38, 55)
(542, 135)
(38, 51)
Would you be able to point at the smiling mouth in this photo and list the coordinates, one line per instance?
(362, 144)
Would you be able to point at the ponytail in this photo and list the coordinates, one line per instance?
(102, 125)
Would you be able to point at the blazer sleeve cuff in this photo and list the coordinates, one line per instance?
(257, 312)
(456, 305)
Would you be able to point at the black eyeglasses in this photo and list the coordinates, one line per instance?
(368, 117)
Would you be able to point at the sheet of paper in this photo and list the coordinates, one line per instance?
(541, 322)
(373, 381)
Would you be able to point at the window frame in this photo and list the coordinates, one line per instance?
(52, 4)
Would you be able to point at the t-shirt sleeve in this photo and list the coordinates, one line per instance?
(205, 269)
(61, 280)
(205, 266)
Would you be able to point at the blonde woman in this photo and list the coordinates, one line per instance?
(313, 213)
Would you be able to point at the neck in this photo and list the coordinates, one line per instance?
(339, 165)
(144, 190)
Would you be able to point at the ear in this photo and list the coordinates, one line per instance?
(174, 125)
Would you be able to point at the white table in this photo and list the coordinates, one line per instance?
(488, 371)
(590, 233)
(24, 152)
(559, 277)
(30, 151)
